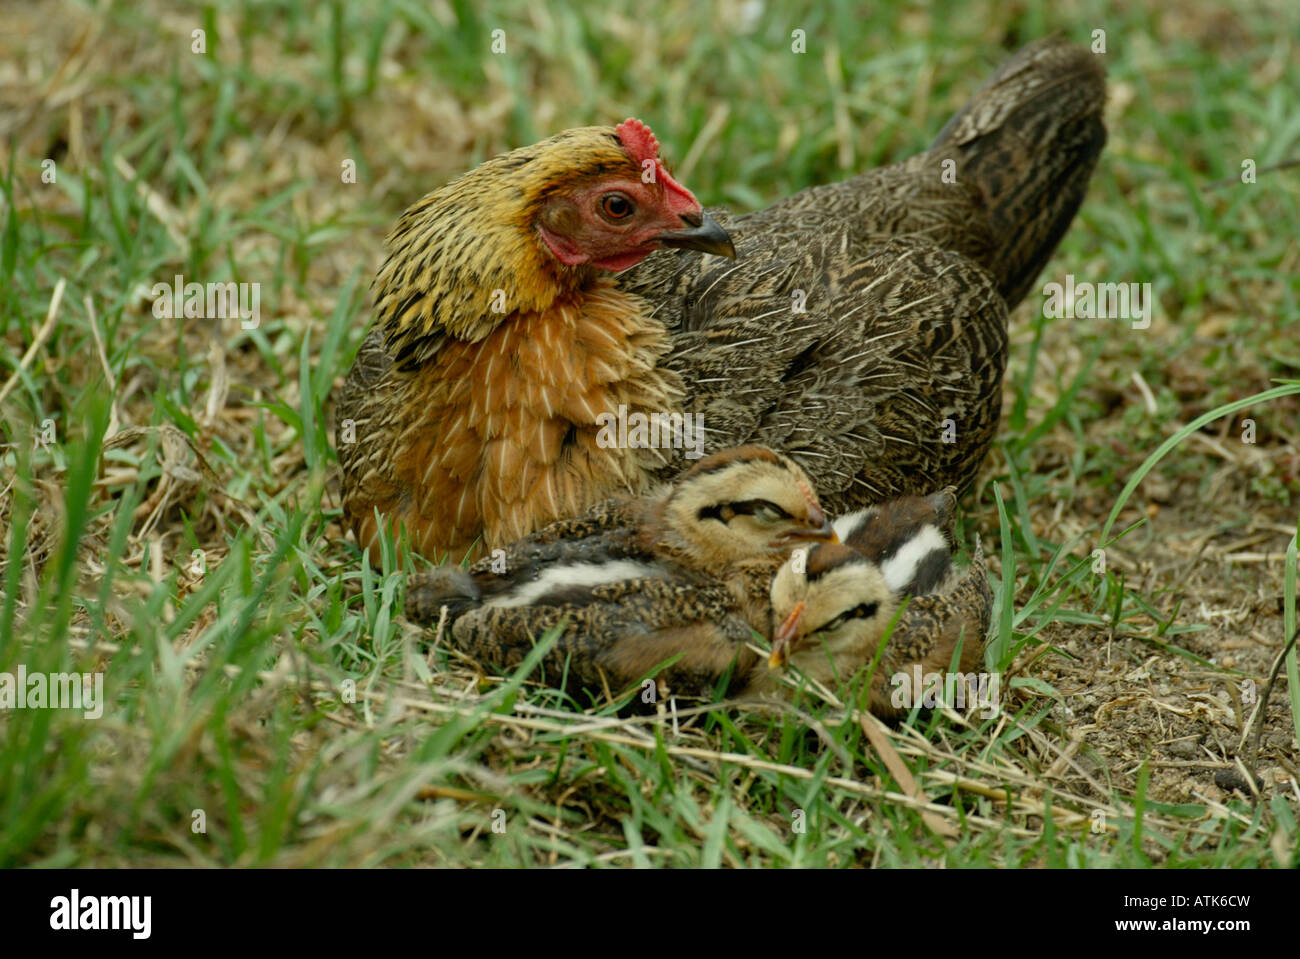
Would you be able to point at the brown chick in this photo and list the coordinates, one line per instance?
(638, 581)
(626, 611)
(737, 513)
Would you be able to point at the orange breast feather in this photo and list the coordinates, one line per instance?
(503, 436)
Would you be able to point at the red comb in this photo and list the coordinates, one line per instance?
(641, 145)
(638, 139)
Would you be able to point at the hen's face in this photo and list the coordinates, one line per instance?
(623, 206)
(529, 223)
(614, 222)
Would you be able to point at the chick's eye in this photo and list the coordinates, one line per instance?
(861, 611)
(835, 623)
(766, 512)
(616, 206)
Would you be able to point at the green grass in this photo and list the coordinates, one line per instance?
(180, 532)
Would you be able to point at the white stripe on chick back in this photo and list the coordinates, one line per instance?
(575, 575)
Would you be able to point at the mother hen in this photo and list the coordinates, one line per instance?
(861, 327)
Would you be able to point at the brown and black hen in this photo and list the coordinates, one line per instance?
(861, 328)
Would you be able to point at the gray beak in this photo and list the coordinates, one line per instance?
(702, 233)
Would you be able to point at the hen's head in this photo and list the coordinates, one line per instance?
(621, 203)
(528, 227)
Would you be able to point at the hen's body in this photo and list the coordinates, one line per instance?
(887, 382)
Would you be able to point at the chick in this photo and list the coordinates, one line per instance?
(680, 585)
(639, 580)
(911, 537)
(835, 607)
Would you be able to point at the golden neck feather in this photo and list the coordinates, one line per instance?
(468, 256)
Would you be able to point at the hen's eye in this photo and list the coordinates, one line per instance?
(616, 206)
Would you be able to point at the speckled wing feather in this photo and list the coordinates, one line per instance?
(929, 628)
(889, 381)
(608, 530)
(616, 634)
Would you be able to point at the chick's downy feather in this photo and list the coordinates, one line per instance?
(861, 328)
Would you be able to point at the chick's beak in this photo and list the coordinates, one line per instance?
(702, 233)
(825, 531)
(819, 529)
(785, 634)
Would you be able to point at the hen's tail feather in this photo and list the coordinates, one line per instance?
(1029, 139)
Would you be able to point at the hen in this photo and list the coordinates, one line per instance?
(861, 328)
